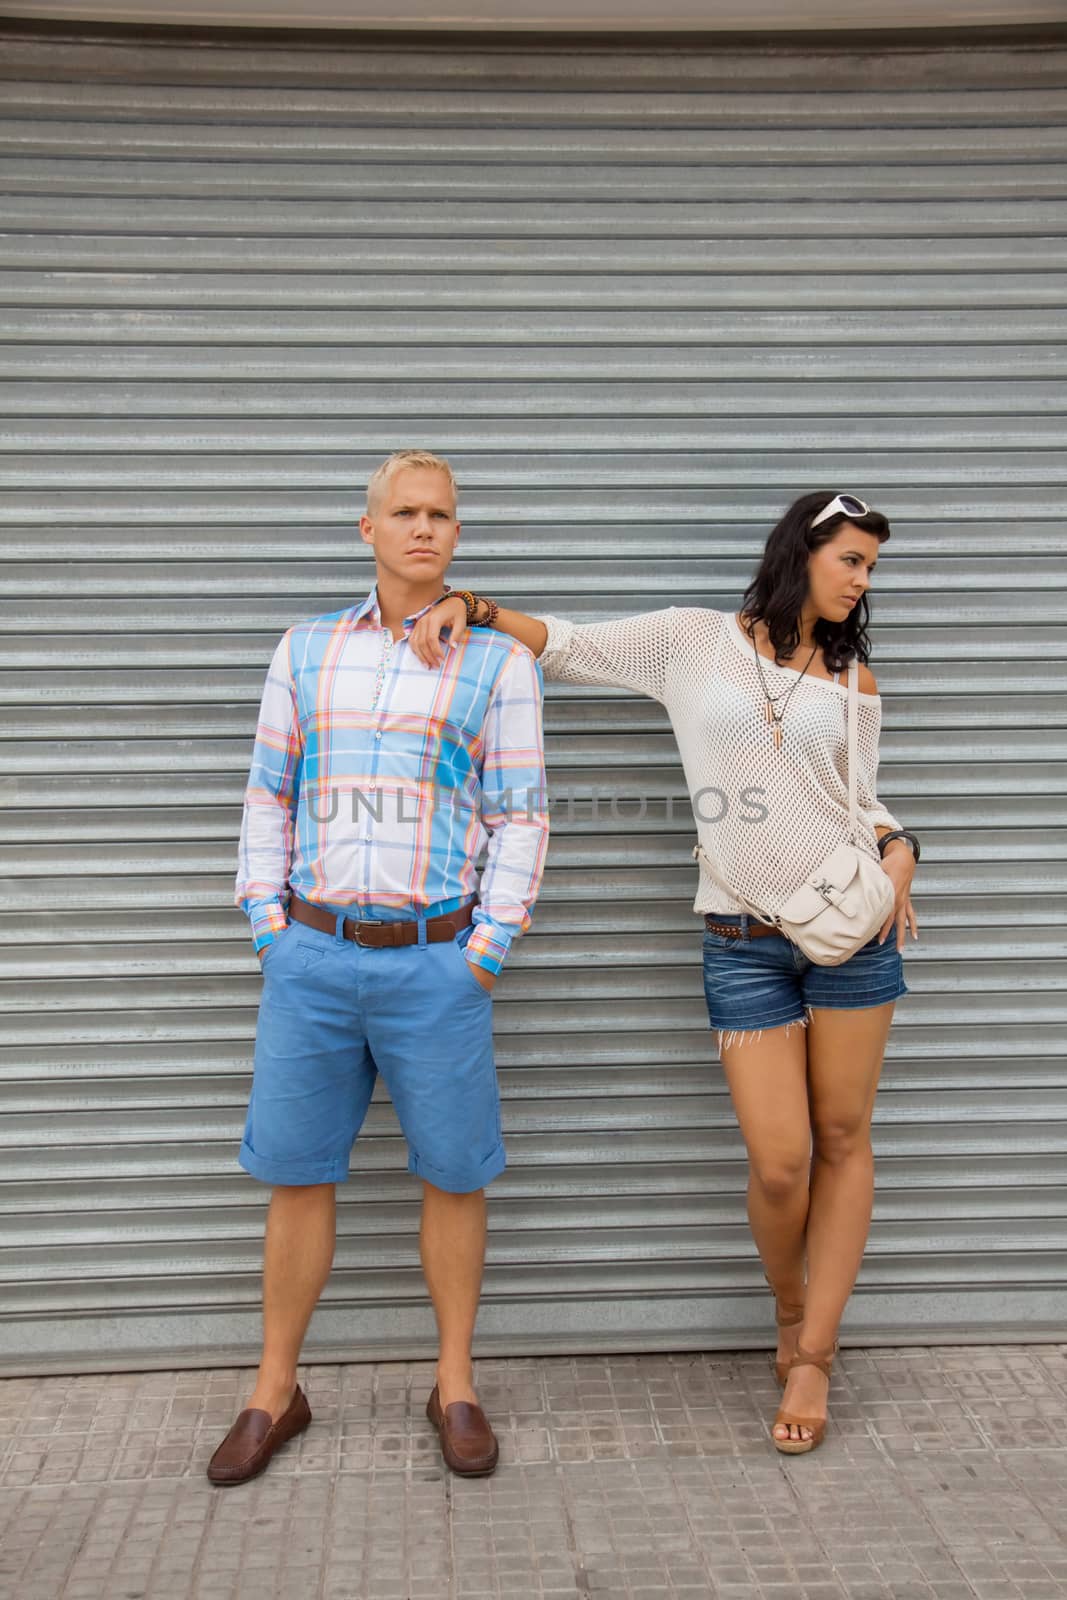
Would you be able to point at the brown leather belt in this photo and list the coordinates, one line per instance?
(756, 930)
(384, 935)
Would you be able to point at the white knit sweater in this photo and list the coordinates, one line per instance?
(700, 666)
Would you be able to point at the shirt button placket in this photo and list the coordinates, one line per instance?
(385, 659)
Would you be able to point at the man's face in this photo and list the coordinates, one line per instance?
(412, 527)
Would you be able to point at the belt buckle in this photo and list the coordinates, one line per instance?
(368, 922)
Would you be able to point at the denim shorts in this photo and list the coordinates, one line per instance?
(334, 1014)
(768, 981)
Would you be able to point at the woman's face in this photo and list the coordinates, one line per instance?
(839, 572)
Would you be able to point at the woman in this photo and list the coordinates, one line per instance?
(759, 712)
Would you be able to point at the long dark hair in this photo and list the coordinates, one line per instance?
(777, 593)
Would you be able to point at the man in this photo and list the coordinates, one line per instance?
(374, 785)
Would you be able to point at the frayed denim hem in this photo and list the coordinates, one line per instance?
(728, 1036)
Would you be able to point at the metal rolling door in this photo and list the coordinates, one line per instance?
(641, 298)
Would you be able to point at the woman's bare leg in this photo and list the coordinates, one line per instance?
(767, 1074)
(845, 1052)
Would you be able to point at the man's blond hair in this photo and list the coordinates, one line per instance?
(380, 477)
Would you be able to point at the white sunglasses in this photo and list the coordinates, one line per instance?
(845, 504)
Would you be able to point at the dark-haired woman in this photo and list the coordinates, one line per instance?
(759, 712)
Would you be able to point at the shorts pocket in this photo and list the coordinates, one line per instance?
(468, 971)
(271, 950)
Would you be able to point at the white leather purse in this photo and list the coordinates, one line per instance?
(841, 905)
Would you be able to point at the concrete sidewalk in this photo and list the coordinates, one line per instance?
(944, 1475)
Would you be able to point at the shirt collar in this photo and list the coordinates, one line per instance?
(368, 615)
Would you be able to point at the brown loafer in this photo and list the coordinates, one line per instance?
(468, 1443)
(253, 1439)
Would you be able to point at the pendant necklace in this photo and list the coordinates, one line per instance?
(772, 712)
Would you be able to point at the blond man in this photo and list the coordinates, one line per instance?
(374, 785)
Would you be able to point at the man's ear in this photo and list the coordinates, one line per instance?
(366, 529)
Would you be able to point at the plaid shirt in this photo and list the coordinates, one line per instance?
(376, 781)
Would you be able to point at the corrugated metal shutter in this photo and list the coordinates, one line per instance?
(641, 298)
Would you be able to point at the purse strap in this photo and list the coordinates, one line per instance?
(852, 719)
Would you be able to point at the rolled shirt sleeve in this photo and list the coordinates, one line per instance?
(265, 851)
(514, 811)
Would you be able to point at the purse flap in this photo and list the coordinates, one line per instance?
(828, 884)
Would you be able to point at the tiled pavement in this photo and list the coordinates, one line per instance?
(943, 1477)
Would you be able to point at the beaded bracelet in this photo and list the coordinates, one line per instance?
(470, 601)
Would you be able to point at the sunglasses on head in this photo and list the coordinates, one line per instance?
(842, 504)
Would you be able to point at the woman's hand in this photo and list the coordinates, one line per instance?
(425, 637)
(898, 863)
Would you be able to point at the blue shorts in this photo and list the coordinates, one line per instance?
(769, 981)
(334, 1014)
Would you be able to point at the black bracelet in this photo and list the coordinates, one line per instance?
(899, 833)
